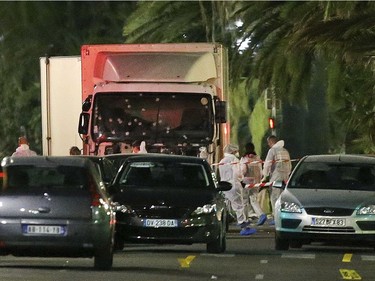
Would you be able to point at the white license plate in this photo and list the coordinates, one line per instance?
(160, 223)
(44, 229)
(328, 222)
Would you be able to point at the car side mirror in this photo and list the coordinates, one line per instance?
(279, 184)
(224, 186)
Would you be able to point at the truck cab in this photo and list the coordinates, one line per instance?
(172, 96)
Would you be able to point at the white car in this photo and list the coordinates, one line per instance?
(328, 198)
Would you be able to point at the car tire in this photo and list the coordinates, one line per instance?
(119, 243)
(295, 244)
(281, 244)
(103, 258)
(219, 245)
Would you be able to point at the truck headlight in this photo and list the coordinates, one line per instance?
(290, 207)
(366, 210)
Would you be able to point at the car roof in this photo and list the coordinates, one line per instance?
(167, 157)
(341, 158)
(46, 161)
(126, 155)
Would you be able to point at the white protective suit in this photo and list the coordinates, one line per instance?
(251, 169)
(232, 173)
(278, 167)
(24, 150)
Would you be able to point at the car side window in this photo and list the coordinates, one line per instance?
(21, 177)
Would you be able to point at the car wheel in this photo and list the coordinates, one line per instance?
(295, 244)
(219, 245)
(103, 258)
(281, 244)
(119, 243)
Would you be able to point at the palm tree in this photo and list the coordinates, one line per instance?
(29, 30)
(286, 41)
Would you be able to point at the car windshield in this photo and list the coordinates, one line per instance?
(152, 116)
(20, 177)
(164, 174)
(334, 176)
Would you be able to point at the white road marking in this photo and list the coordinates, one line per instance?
(219, 255)
(298, 256)
(368, 258)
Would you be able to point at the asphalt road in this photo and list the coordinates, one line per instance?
(247, 258)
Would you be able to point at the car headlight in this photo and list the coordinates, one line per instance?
(366, 210)
(117, 207)
(206, 209)
(290, 207)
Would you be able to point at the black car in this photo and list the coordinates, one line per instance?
(169, 199)
(105, 167)
(118, 158)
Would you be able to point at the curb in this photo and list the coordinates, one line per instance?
(233, 228)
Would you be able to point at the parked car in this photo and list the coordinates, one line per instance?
(328, 198)
(169, 199)
(106, 167)
(55, 206)
(1, 176)
(118, 158)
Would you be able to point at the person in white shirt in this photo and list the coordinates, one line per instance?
(23, 148)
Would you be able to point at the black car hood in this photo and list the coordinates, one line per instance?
(169, 197)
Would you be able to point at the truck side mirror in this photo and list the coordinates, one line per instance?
(83, 124)
(221, 111)
(87, 103)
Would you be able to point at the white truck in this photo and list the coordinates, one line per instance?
(61, 104)
(172, 96)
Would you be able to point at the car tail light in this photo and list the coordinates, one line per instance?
(95, 195)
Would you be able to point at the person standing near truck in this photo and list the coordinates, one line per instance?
(139, 147)
(277, 167)
(23, 148)
(229, 169)
(251, 168)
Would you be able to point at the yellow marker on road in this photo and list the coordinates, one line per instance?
(186, 261)
(347, 258)
(349, 274)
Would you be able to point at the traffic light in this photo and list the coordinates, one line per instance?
(271, 122)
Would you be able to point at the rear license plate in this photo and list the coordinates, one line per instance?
(160, 223)
(328, 222)
(43, 229)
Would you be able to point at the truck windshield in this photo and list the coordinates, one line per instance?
(158, 118)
